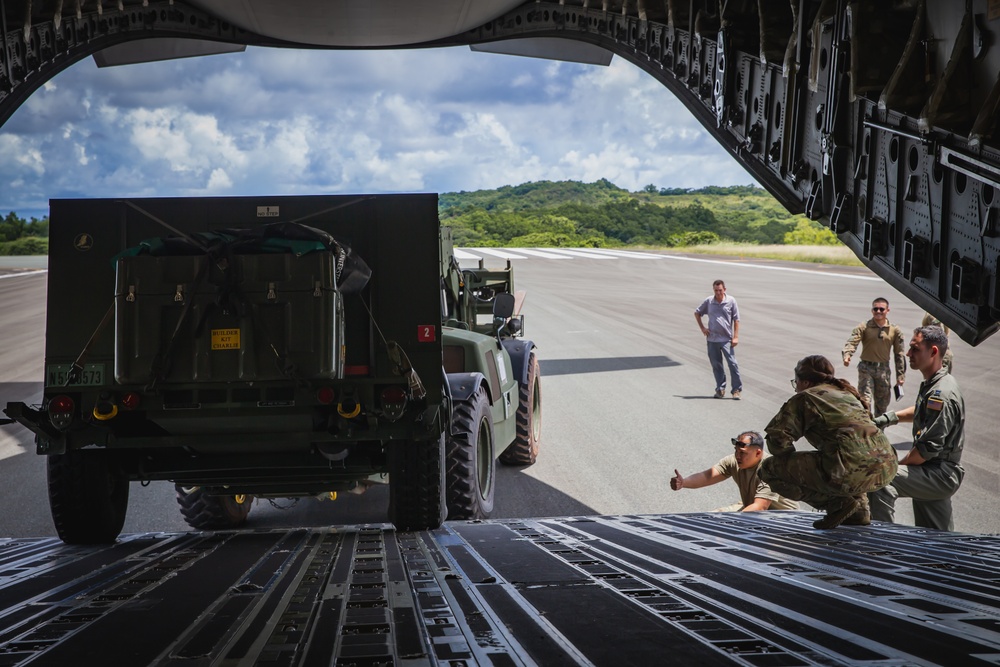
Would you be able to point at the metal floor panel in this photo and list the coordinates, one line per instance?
(762, 589)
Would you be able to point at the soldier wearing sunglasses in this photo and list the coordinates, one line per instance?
(740, 466)
(879, 339)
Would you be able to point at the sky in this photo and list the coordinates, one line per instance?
(276, 121)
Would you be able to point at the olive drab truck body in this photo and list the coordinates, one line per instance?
(260, 347)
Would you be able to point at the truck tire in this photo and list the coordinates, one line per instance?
(416, 484)
(471, 459)
(524, 450)
(88, 496)
(208, 512)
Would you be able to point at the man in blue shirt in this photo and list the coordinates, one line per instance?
(723, 335)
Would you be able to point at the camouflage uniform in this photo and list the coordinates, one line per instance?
(939, 436)
(853, 456)
(874, 375)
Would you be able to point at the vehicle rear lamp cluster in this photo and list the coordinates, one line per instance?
(61, 407)
(325, 395)
(393, 402)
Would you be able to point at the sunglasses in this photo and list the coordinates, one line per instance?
(740, 445)
(878, 310)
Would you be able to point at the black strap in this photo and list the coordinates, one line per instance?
(77, 367)
(160, 365)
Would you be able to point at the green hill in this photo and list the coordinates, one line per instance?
(600, 214)
(531, 196)
(574, 214)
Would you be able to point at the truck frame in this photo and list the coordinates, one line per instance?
(229, 347)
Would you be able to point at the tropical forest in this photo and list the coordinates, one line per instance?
(545, 214)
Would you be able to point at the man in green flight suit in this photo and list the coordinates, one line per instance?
(931, 472)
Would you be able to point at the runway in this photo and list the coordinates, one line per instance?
(627, 389)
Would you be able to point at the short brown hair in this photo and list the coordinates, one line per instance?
(933, 336)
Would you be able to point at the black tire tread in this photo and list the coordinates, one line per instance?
(463, 496)
(523, 451)
(207, 512)
(416, 484)
(88, 497)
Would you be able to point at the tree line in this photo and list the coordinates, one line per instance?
(600, 214)
(575, 214)
(24, 237)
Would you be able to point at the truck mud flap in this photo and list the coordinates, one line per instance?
(464, 385)
(520, 351)
(706, 589)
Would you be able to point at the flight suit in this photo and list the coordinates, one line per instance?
(939, 436)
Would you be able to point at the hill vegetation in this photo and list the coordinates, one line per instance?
(23, 237)
(574, 214)
(600, 214)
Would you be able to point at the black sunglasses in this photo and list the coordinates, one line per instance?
(740, 445)
(878, 310)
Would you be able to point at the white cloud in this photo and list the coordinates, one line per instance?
(81, 154)
(305, 122)
(19, 155)
(219, 181)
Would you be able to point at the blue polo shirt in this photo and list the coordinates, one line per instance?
(721, 316)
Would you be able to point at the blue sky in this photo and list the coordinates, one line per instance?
(328, 122)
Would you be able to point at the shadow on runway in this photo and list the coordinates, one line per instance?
(518, 496)
(602, 365)
(24, 392)
(700, 397)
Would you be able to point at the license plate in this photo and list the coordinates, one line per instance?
(92, 375)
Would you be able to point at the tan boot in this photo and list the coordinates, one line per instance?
(837, 512)
(863, 515)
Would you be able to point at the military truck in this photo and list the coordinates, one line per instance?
(275, 347)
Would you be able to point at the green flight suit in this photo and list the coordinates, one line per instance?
(852, 455)
(939, 436)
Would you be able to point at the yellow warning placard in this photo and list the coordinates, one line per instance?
(225, 339)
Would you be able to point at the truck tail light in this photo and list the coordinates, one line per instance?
(393, 402)
(60, 410)
(325, 395)
(130, 401)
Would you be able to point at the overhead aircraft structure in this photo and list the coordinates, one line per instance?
(877, 119)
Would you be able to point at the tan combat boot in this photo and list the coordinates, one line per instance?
(838, 510)
(863, 516)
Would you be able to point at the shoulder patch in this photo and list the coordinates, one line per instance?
(934, 403)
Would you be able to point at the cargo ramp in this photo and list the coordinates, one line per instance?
(760, 589)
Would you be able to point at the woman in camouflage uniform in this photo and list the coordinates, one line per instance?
(853, 456)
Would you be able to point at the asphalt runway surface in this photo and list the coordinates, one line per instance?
(626, 384)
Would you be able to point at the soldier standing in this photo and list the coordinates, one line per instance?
(852, 457)
(931, 472)
(877, 337)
